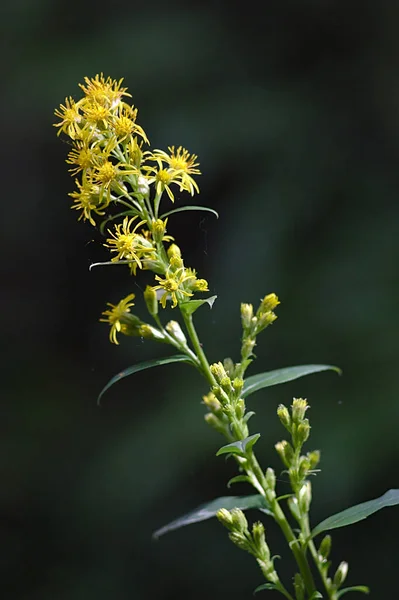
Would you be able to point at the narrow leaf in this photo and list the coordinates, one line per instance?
(266, 586)
(357, 513)
(356, 588)
(209, 510)
(191, 306)
(238, 479)
(315, 595)
(141, 367)
(240, 447)
(261, 380)
(190, 207)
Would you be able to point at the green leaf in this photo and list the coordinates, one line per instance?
(191, 306)
(190, 207)
(240, 447)
(266, 586)
(140, 367)
(209, 510)
(238, 479)
(261, 380)
(357, 513)
(315, 595)
(355, 588)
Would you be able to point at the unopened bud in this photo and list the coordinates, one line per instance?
(213, 421)
(212, 403)
(229, 367)
(313, 458)
(298, 409)
(303, 432)
(240, 522)
(218, 371)
(247, 312)
(238, 384)
(305, 497)
(200, 285)
(294, 508)
(176, 332)
(264, 320)
(270, 479)
(225, 384)
(268, 303)
(158, 229)
(175, 263)
(258, 536)
(247, 347)
(340, 574)
(224, 516)
(240, 540)
(151, 333)
(174, 250)
(151, 301)
(240, 408)
(285, 451)
(142, 186)
(284, 416)
(325, 548)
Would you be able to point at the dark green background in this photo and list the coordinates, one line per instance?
(293, 110)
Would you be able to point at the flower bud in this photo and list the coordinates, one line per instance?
(151, 333)
(240, 522)
(270, 479)
(200, 285)
(298, 409)
(258, 536)
(229, 366)
(159, 229)
(238, 384)
(218, 371)
(268, 303)
(264, 320)
(150, 297)
(284, 416)
(247, 347)
(285, 451)
(313, 458)
(305, 497)
(294, 508)
(212, 403)
(225, 517)
(176, 332)
(173, 250)
(217, 424)
(303, 432)
(325, 548)
(340, 574)
(142, 185)
(225, 384)
(247, 312)
(240, 408)
(240, 540)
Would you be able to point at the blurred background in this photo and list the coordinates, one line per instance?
(293, 110)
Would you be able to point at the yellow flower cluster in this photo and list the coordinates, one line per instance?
(113, 171)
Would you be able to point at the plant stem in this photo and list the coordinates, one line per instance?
(188, 320)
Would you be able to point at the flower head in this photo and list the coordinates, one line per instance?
(70, 118)
(114, 316)
(128, 244)
(174, 286)
(87, 198)
(107, 92)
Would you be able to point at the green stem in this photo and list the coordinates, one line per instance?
(188, 320)
(316, 559)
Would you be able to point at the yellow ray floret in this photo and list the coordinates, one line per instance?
(115, 314)
(128, 244)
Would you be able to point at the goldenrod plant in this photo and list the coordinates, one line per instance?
(127, 190)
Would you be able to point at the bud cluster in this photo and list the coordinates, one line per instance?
(253, 542)
(253, 324)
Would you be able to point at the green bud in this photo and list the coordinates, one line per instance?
(225, 384)
(238, 384)
(303, 432)
(218, 371)
(240, 522)
(240, 408)
(247, 347)
(176, 332)
(299, 587)
(264, 320)
(298, 409)
(217, 424)
(325, 548)
(314, 458)
(258, 536)
(268, 570)
(285, 451)
(340, 574)
(224, 516)
(150, 297)
(270, 479)
(305, 497)
(247, 312)
(241, 541)
(303, 468)
(284, 416)
(151, 333)
(212, 403)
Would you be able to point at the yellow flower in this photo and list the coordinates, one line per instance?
(173, 284)
(114, 316)
(70, 118)
(183, 164)
(97, 114)
(87, 199)
(124, 123)
(83, 156)
(107, 92)
(128, 244)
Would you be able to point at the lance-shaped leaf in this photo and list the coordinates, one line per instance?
(190, 207)
(261, 380)
(141, 367)
(266, 586)
(209, 510)
(357, 513)
(191, 306)
(355, 588)
(239, 447)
